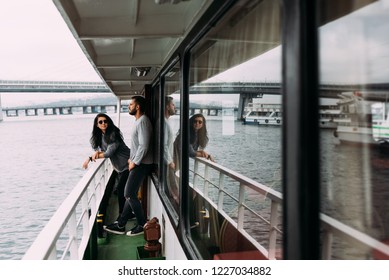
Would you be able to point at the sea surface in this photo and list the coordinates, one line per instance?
(41, 159)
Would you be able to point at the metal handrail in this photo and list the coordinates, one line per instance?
(82, 202)
(89, 191)
(331, 227)
(244, 182)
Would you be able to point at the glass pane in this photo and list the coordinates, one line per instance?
(235, 135)
(354, 76)
(171, 128)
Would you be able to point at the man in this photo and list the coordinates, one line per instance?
(170, 110)
(140, 165)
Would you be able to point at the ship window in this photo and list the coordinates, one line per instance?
(230, 67)
(355, 161)
(171, 136)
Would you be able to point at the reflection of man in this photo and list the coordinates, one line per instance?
(170, 110)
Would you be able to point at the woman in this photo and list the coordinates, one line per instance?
(198, 139)
(107, 141)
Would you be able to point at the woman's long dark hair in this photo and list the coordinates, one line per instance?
(112, 133)
(202, 134)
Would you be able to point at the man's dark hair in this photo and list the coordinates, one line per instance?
(141, 101)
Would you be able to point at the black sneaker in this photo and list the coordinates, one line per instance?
(115, 228)
(135, 231)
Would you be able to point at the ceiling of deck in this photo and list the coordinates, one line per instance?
(127, 41)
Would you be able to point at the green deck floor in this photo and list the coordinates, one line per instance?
(115, 246)
(119, 247)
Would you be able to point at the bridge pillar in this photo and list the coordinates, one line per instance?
(243, 101)
(9, 113)
(29, 113)
(103, 109)
(85, 110)
(1, 110)
(94, 109)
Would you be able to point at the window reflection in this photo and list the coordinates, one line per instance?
(226, 68)
(171, 128)
(354, 59)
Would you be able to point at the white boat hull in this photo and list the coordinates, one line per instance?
(263, 121)
(354, 134)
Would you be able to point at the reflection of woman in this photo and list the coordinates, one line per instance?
(198, 140)
(107, 141)
(198, 137)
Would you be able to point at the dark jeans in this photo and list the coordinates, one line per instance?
(121, 183)
(132, 204)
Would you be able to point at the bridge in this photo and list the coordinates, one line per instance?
(249, 89)
(46, 110)
(246, 91)
(51, 86)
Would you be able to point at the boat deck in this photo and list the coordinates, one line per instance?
(114, 246)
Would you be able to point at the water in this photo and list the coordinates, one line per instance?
(41, 163)
(42, 158)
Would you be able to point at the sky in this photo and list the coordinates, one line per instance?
(27, 54)
(37, 45)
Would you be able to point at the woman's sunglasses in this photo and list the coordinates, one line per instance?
(198, 121)
(103, 121)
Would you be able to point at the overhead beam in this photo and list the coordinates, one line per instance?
(158, 26)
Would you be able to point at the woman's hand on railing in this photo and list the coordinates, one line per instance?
(86, 163)
(204, 154)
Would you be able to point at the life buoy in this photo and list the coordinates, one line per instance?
(266, 121)
(278, 121)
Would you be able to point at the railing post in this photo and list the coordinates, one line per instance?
(241, 206)
(221, 192)
(206, 181)
(72, 226)
(327, 245)
(195, 172)
(53, 254)
(85, 213)
(273, 231)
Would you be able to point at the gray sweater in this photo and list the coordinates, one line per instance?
(140, 141)
(118, 153)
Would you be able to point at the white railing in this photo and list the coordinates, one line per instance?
(83, 202)
(204, 170)
(77, 214)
